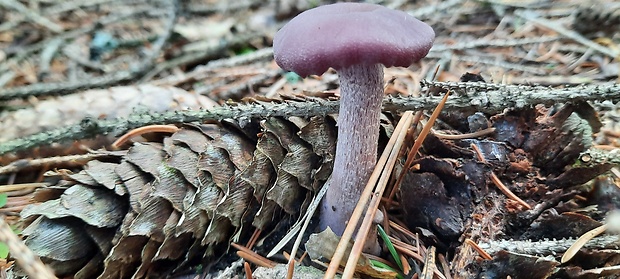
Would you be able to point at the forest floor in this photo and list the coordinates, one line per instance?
(533, 84)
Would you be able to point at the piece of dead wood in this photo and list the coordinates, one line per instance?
(484, 97)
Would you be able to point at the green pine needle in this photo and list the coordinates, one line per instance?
(390, 247)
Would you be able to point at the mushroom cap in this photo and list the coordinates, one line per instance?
(343, 34)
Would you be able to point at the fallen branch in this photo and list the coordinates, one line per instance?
(483, 97)
(547, 247)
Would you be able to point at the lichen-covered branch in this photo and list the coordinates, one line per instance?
(493, 98)
(90, 127)
(484, 97)
(547, 247)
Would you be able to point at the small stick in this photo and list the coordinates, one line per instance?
(31, 264)
(17, 187)
(495, 99)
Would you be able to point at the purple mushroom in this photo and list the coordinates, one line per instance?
(357, 40)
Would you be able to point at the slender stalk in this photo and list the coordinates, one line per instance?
(361, 92)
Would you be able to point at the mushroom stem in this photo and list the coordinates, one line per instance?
(361, 93)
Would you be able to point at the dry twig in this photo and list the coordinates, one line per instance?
(482, 97)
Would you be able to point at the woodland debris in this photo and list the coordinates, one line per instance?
(518, 266)
(280, 271)
(505, 42)
(484, 97)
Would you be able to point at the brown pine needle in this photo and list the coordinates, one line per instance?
(253, 239)
(507, 191)
(361, 205)
(386, 220)
(248, 270)
(405, 262)
(480, 251)
(498, 183)
(144, 130)
(401, 229)
(478, 153)
(18, 187)
(465, 136)
(303, 256)
(31, 263)
(581, 241)
(19, 200)
(252, 257)
(444, 266)
(409, 253)
(605, 147)
(290, 270)
(13, 209)
(403, 245)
